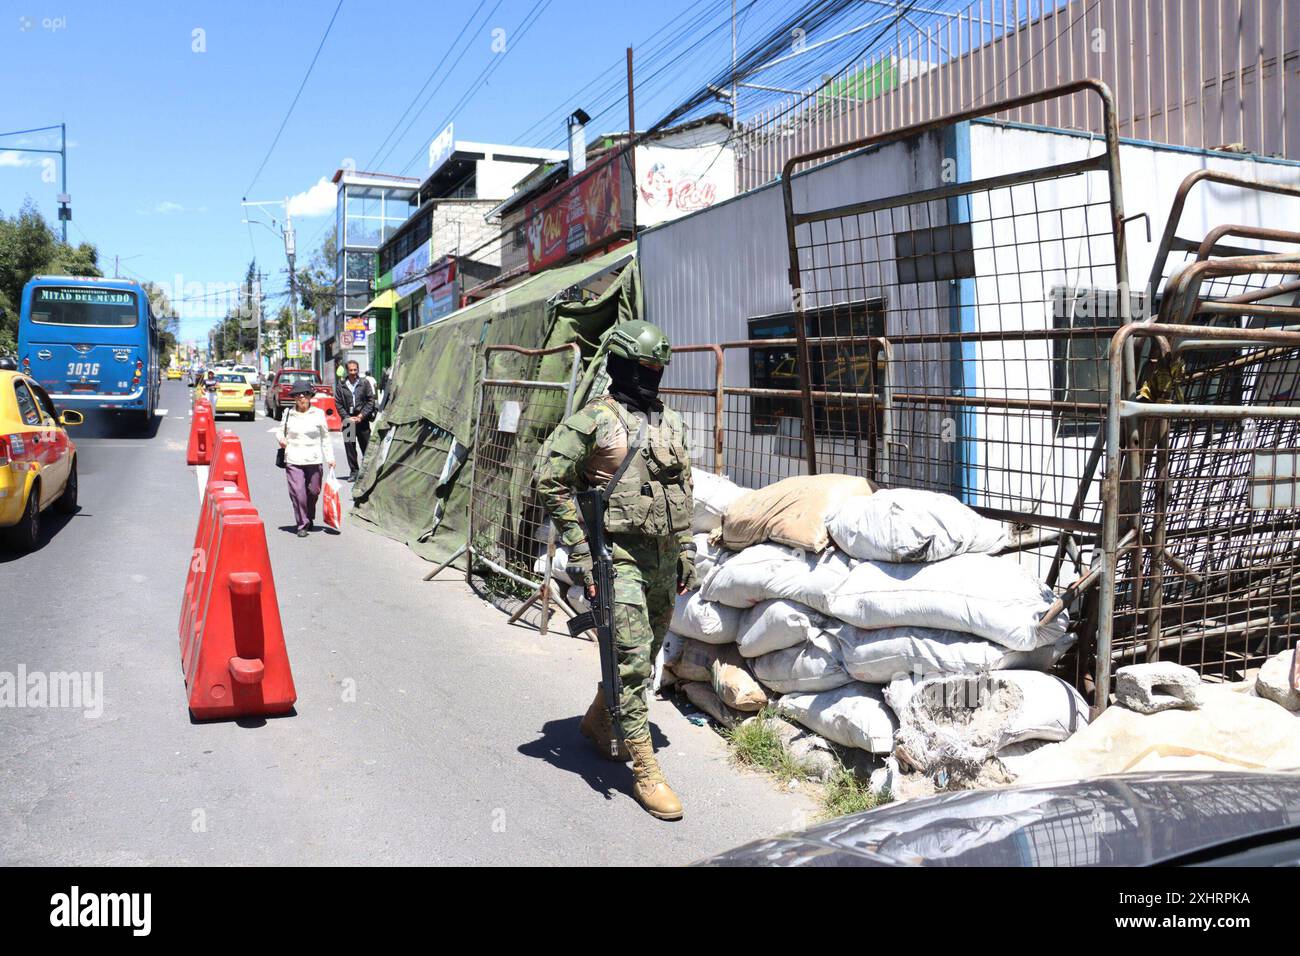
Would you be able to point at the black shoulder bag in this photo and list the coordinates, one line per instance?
(279, 452)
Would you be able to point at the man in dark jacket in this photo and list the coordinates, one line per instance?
(355, 399)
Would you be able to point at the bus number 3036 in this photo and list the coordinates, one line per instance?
(83, 368)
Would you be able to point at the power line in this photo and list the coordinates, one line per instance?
(301, 86)
(370, 163)
(477, 84)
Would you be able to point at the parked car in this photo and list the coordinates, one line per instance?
(277, 394)
(174, 374)
(234, 396)
(1216, 818)
(38, 461)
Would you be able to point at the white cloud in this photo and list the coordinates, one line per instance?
(317, 201)
(167, 206)
(11, 158)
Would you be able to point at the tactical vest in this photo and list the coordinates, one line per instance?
(652, 497)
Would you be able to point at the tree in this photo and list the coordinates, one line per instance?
(28, 247)
(316, 286)
(168, 323)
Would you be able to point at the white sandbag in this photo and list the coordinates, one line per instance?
(878, 656)
(805, 668)
(775, 625)
(854, 715)
(695, 663)
(561, 564)
(978, 594)
(907, 524)
(958, 723)
(766, 571)
(1052, 709)
(706, 554)
(899, 691)
(734, 684)
(711, 495)
(704, 620)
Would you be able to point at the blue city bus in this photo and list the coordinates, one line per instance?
(91, 343)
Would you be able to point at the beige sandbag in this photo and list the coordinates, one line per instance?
(696, 660)
(792, 512)
(733, 682)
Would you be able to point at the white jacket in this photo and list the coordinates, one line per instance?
(306, 437)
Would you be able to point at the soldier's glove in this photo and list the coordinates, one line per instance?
(688, 579)
(579, 567)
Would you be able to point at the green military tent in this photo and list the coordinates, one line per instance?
(412, 485)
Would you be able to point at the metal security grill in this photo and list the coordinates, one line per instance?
(508, 533)
(1202, 542)
(954, 338)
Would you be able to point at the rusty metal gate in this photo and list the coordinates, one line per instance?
(508, 533)
(1201, 553)
(955, 338)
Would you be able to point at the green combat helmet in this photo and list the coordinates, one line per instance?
(640, 341)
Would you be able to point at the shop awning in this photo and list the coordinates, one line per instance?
(385, 300)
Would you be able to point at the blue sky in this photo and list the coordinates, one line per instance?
(165, 138)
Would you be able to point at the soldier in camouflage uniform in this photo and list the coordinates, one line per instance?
(647, 520)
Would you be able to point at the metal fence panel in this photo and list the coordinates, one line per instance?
(508, 532)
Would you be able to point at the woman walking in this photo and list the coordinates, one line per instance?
(308, 448)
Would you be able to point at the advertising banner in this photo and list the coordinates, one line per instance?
(581, 214)
(672, 182)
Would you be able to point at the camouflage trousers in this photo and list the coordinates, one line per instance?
(645, 590)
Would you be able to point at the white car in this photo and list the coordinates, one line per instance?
(250, 375)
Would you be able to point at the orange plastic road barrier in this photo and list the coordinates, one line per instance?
(199, 553)
(326, 404)
(232, 652)
(202, 435)
(227, 462)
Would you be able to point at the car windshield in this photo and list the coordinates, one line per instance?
(232, 378)
(293, 378)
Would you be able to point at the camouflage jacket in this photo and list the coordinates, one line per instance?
(653, 496)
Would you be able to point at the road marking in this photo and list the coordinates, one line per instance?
(160, 412)
(201, 475)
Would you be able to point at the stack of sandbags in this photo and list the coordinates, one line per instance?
(774, 560)
(894, 584)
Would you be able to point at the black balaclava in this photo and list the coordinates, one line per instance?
(634, 384)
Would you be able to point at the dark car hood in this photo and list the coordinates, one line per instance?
(1134, 819)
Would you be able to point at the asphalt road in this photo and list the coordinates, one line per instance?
(427, 729)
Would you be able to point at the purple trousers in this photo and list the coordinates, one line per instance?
(304, 489)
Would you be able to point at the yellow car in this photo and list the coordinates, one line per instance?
(174, 373)
(234, 396)
(38, 462)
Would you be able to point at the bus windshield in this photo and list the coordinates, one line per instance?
(76, 305)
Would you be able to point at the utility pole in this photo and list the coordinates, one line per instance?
(290, 252)
(631, 137)
(733, 67)
(64, 200)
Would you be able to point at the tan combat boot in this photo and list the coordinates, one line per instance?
(599, 729)
(648, 784)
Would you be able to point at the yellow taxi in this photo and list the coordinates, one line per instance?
(234, 396)
(38, 462)
(174, 373)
